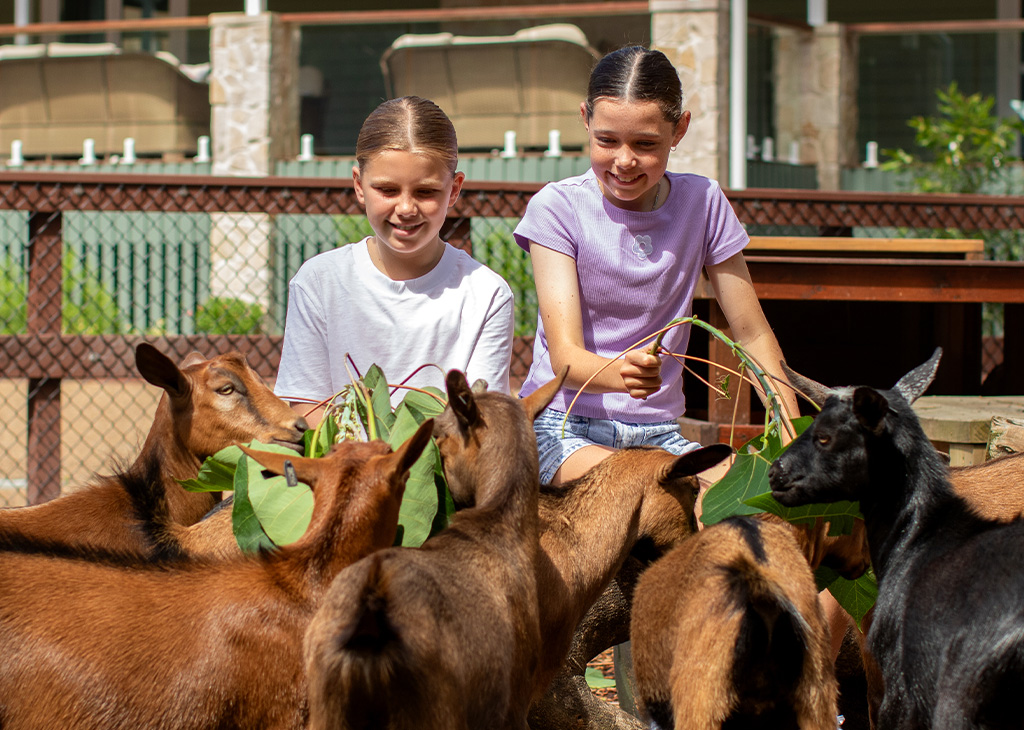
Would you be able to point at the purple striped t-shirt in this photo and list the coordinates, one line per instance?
(637, 272)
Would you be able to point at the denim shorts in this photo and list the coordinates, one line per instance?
(553, 449)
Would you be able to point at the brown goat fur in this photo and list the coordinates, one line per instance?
(994, 488)
(590, 525)
(728, 627)
(207, 405)
(446, 635)
(104, 641)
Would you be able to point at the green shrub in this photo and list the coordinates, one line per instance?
(351, 228)
(88, 308)
(229, 316)
(12, 297)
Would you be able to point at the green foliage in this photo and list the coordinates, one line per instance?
(965, 147)
(88, 308)
(12, 297)
(498, 251)
(229, 316)
(267, 512)
(351, 228)
(596, 680)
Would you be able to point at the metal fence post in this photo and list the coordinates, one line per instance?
(44, 319)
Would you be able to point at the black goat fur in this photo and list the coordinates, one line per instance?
(948, 627)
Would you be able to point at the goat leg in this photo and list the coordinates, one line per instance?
(569, 704)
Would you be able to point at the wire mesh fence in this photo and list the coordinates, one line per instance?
(90, 265)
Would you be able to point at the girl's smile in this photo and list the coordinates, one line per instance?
(629, 147)
(407, 196)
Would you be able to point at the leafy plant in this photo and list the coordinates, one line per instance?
(87, 308)
(267, 512)
(966, 147)
(12, 297)
(744, 488)
(229, 316)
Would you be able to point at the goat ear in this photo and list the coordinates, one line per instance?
(870, 407)
(696, 461)
(160, 370)
(307, 471)
(461, 400)
(538, 400)
(811, 389)
(916, 382)
(407, 454)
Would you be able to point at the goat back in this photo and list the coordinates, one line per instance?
(728, 625)
(415, 637)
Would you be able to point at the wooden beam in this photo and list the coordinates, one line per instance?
(893, 280)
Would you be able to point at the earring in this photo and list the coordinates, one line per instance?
(673, 148)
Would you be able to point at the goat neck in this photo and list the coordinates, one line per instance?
(357, 493)
(589, 526)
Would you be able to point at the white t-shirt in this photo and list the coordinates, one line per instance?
(459, 315)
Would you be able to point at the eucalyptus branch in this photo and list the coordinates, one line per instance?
(775, 407)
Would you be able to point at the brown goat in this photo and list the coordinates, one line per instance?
(105, 642)
(207, 405)
(590, 525)
(446, 635)
(728, 628)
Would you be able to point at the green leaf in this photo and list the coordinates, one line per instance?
(840, 515)
(855, 596)
(284, 512)
(424, 406)
(420, 502)
(217, 473)
(244, 523)
(380, 401)
(325, 436)
(596, 680)
(747, 477)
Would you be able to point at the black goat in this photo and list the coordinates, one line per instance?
(948, 628)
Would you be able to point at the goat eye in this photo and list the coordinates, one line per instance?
(226, 389)
(824, 440)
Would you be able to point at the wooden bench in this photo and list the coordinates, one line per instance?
(962, 425)
(902, 284)
(967, 249)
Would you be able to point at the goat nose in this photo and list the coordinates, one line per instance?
(300, 425)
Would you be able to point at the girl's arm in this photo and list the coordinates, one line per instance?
(491, 358)
(735, 293)
(558, 295)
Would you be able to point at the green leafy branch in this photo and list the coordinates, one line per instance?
(267, 512)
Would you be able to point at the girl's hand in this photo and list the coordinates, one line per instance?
(641, 373)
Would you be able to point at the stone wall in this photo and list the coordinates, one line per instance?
(694, 34)
(815, 98)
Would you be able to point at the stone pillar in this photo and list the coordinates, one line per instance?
(694, 34)
(254, 122)
(816, 98)
(254, 95)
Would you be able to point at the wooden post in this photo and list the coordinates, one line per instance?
(45, 243)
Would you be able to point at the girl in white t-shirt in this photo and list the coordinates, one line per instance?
(401, 298)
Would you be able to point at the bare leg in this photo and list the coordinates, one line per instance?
(838, 621)
(580, 462)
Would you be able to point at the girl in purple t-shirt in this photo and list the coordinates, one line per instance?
(617, 253)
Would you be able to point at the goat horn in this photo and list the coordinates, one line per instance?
(811, 389)
(916, 382)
